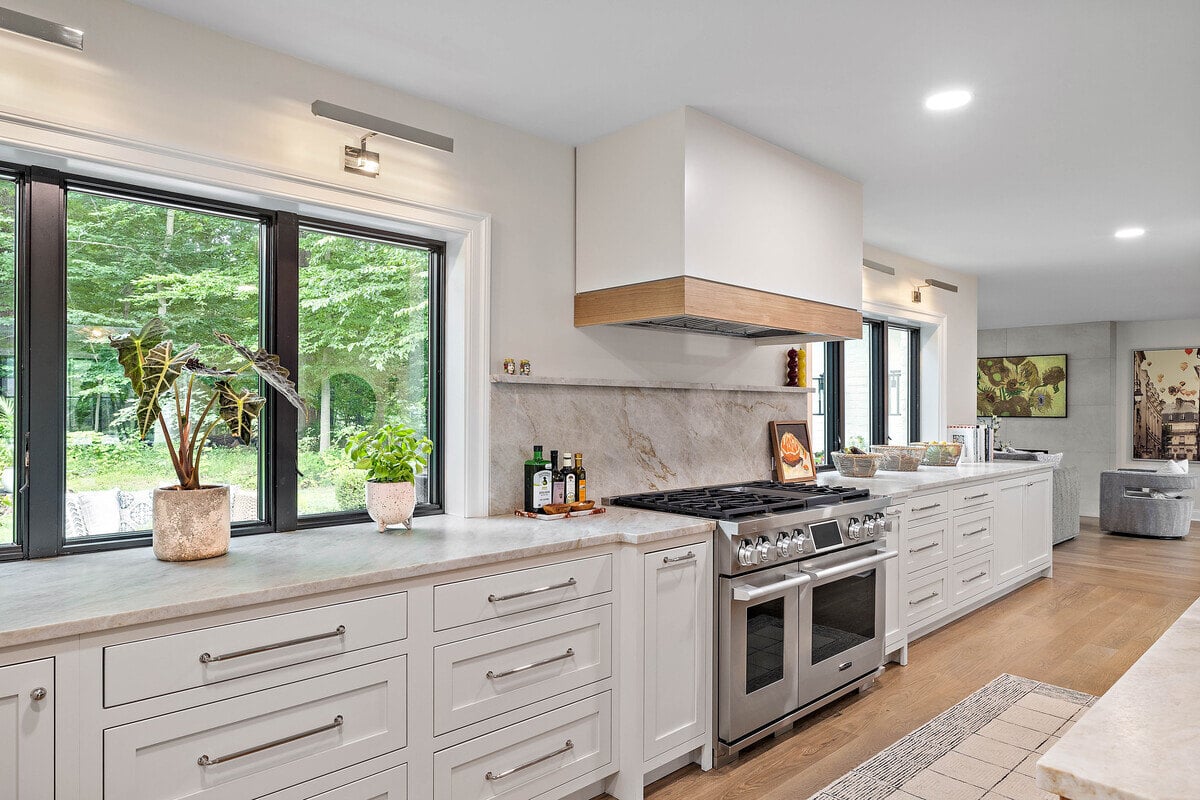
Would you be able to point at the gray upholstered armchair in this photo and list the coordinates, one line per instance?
(1146, 503)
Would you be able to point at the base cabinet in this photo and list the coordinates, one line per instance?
(1023, 526)
(27, 730)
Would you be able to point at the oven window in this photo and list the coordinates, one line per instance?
(764, 645)
(843, 615)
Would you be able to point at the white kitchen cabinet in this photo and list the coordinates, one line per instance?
(27, 730)
(1037, 535)
(678, 586)
(894, 623)
(1022, 526)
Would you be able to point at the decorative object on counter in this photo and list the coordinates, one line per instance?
(941, 454)
(968, 437)
(580, 479)
(797, 367)
(587, 509)
(857, 465)
(510, 366)
(539, 481)
(393, 456)
(791, 449)
(526, 369)
(899, 457)
(1022, 386)
(191, 520)
(1166, 394)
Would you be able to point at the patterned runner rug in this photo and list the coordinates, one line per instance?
(983, 748)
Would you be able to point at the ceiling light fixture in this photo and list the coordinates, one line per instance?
(360, 160)
(38, 28)
(933, 283)
(948, 100)
(370, 122)
(1130, 233)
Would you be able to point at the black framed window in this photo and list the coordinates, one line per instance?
(867, 390)
(355, 313)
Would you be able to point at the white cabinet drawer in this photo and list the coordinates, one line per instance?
(927, 546)
(390, 784)
(968, 496)
(487, 675)
(496, 596)
(524, 760)
(926, 596)
(972, 531)
(974, 577)
(259, 743)
(152, 667)
(928, 506)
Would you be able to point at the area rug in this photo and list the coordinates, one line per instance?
(983, 748)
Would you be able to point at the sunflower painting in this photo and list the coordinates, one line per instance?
(1022, 386)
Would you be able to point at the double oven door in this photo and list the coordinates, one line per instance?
(791, 634)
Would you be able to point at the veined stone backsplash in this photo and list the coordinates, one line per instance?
(634, 439)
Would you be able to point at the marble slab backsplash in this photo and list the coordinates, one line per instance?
(634, 439)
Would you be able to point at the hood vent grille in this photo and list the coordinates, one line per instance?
(715, 327)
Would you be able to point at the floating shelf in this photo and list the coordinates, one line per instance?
(632, 383)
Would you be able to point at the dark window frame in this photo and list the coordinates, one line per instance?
(41, 269)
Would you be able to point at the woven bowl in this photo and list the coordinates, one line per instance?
(900, 457)
(942, 455)
(856, 465)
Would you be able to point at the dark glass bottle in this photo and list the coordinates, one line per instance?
(571, 494)
(580, 478)
(558, 487)
(537, 481)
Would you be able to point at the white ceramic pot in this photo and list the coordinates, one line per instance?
(191, 524)
(391, 503)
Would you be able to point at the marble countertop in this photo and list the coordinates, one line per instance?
(902, 484)
(71, 595)
(1140, 740)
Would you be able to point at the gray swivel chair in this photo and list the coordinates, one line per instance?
(1145, 503)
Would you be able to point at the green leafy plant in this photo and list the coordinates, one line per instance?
(391, 454)
(154, 367)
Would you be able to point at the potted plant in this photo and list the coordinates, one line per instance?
(393, 456)
(191, 519)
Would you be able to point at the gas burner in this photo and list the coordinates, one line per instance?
(740, 500)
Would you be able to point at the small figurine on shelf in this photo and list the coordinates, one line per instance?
(510, 367)
(802, 365)
(525, 369)
(793, 368)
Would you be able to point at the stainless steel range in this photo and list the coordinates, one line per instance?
(800, 595)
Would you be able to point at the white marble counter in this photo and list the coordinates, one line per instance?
(902, 484)
(70, 595)
(1141, 740)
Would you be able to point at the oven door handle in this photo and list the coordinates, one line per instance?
(750, 593)
(851, 567)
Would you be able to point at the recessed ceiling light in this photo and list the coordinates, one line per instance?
(947, 100)
(1130, 233)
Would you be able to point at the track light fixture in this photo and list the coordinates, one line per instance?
(360, 160)
(932, 283)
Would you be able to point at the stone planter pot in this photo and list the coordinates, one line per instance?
(191, 525)
(391, 503)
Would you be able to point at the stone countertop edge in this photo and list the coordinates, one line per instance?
(1139, 741)
(899, 485)
(74, 595)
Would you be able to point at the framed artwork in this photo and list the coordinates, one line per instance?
(1022, 386)
(792, 450)
(1166, 391)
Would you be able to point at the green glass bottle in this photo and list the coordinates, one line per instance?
(537, 481)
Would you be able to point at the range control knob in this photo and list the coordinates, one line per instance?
(854, 529)
(888, 525)
(766, 550)
(798, 539)
(747, 554)
(783, 543)
(868, 527)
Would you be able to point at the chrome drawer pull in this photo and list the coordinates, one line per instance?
(975, 533)
(928, 508)
(925, 547)
(976, 496)
(923, 599)
(496, 598)
(688, 556)
(570, 652)
(975, 577)
(205, 761)
(206, 658)
(495, 776)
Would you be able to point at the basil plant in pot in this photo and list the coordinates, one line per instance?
(191, 519)
(393, 456)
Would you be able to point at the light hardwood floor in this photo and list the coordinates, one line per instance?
(1110, 598)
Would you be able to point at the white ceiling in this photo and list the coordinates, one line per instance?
(1086, 115)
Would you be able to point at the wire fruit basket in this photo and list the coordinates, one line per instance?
(900, 457)
(856, 465)
(942, 454)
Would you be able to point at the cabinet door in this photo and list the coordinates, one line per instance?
(678, 599)
(1009, 522)
(27, 730)
(893, 617)
(1037, 533)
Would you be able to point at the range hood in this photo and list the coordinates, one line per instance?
(694, 305)
(685, 223)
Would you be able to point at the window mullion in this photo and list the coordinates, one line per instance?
(282, 336)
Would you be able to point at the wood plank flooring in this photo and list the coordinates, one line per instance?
(1110, 598)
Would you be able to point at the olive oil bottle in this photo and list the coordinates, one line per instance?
(537, 481)
(570, 493)
(558, 488)
(580, 478)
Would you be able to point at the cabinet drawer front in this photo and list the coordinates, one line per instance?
(487, 675)
(390, 784)
(529, 758)
(969, 496)
(259, 743)
(972, 531)
(152, 667)
(927, 546)
(928, 506)
(496, 596)
(973, 578)
(926, 596)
